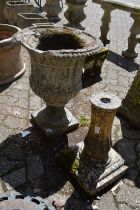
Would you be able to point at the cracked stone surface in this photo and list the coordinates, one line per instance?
(28, 164)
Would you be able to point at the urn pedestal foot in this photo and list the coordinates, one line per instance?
(91, 176)
(54, 19)
(54, 123)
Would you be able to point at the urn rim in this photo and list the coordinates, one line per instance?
(89, 49)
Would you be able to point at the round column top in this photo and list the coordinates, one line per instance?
(105, 100)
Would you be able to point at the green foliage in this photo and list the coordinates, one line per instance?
(84, 121)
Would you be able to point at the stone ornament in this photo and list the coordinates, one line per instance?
(130, 108)
(53, 9)
(12, 8)
(93, 163)
(10, 49)
(57, 55)
(75, 13)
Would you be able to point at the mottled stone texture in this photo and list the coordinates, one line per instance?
(12, 8)
(11, 63)
(103, 111)
(25, 20)
(93, 163)
(57, 57)
(53, 8)
(130, 108)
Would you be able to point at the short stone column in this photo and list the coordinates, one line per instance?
(130, 108)
(53, 8)
(132, 40)
(75, 13)
(93, 163)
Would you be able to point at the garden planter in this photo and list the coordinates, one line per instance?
(75, 13)
(11, 63)
(25, 20)
(12, 8)
(57, 58)
(53, 8)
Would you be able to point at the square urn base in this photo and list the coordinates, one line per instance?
(92, 178)
(39, 118)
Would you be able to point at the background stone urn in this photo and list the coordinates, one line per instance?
(11, 63)
(53, 8)
(57, 57)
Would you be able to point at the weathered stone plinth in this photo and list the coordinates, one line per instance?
(75, 13)
(11, 61)
(25, 20)
(53, 8)
(130, 108)
(57, 57)
(12, 8)
(93, 163)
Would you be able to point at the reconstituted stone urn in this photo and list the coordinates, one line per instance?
(53, 8)
(11, 62)
(57, 57)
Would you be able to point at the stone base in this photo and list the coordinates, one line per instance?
(53, 19)
(128, 54)
(76, 26)
(92, 177)
(14, 77)
(39, 118)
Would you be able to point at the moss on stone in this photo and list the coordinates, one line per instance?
(68, 159)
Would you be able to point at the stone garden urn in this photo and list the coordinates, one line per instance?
(11, 63)
(12, 8)
(53, 8)
(57, 56)
(75, 13)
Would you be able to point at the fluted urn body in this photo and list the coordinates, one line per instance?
(57, 57)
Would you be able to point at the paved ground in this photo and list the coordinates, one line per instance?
(27, 165)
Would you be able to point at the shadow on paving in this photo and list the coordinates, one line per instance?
(28, 165)
(126, 147)
(123, 62)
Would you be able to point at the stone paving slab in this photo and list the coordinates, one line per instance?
(40, 174)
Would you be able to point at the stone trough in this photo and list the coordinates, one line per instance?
(27, 19)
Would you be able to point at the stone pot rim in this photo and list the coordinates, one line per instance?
(26, 33)
(9, 41)
(10, 3)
